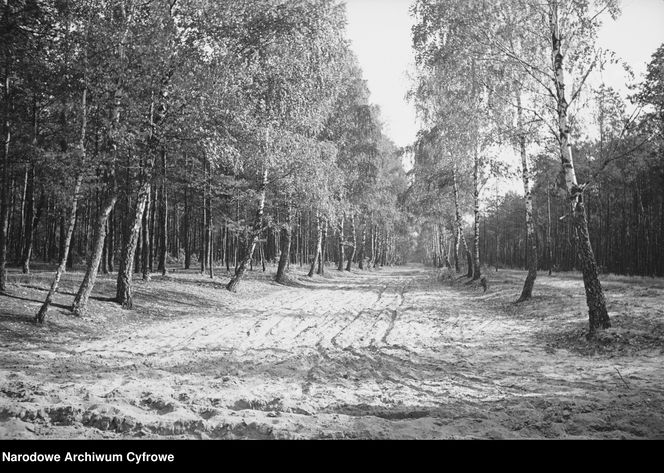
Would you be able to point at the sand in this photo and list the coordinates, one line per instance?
(401, 352)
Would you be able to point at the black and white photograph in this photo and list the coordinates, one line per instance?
(329, 220)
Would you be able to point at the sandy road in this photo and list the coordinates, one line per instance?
(386, 354)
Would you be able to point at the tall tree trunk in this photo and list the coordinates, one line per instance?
(152, 228)
(209, 224)
(139, 246)
(62, 232)
(323, 248)
(117, 103)
(319, 242)
(548, 228)
(340, 264)
(41, 315)
(469, 257)
(32, 217)
(185, 232)
(598, 317)
(79, 306)
(18, 249)
(476, 186)
(163, 222)
(447, 255)
(527, 291)
(298, 240)
(253, 239)
(261, 253)
(30, 222)
(476, 210)
(27, 252)
(104, 255)
(351, 253)
(110, 238)
(286, 233)
(4, 197)
(372, 239)
(205, 250)
(229, 240)
(435, 246)
(49, 244)
(363, 240)
(378, 248)
(145, 256)
(444, 247)
(457, 213)
(457, 242)
(123, 294)
(211, 245)
(176, 233)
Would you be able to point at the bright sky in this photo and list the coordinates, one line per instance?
(380, 35)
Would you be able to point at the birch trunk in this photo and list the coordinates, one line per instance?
(363, 240)
(110, 246)
(319, 241)
(476, 228)
(145, 238)
(41, 315)
(81, 300)
(323, 248)
(152, 229)
(378, 249)
(205, 250)
(351, 254)
(597, 313)
(527, 291)
(163, 224)
(21, 229)
(255, 233)
(185, 230)
(4, 193)
(286, 233)
(340, 264)
(457, 214)
(548, 228)
(457, 242)
(124, 295)
(30, 223)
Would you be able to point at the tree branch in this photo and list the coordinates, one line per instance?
(575, 94)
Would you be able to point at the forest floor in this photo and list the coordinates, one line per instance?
(403, 352)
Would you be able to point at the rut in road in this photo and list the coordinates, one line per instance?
(390, 353)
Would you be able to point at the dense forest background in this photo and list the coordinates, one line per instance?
(148, 136)
(139, 135)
